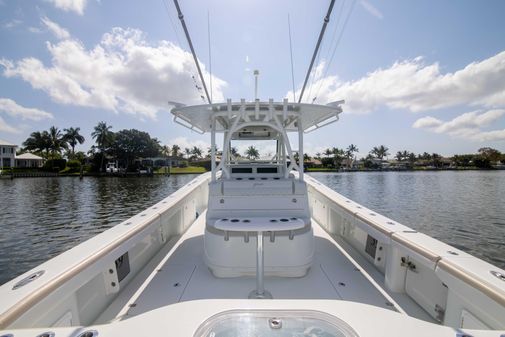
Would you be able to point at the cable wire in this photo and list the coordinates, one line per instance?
(335, 48)
(321, 34)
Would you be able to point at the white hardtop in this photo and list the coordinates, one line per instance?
(312, 116)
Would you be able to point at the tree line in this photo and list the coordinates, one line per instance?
(128, 145)
(337, 158)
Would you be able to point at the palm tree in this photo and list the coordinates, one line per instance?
(338, 156)
(196, 152)
(57, 140)
(38, 142)
(187, 151)
(175, 150)
(412, 159)
(72, 136)
(234, 152)
(380, 152)
(165, 151)
(399, 156)
(103, 138)
(328, 153)
(349, 154)
(252, 153)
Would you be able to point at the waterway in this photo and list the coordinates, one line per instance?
(42, 217)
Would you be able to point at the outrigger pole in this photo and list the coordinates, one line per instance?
(181, 17)
(321, 34)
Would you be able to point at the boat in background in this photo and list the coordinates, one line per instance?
(257, 248)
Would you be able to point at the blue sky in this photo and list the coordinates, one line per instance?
(416, 75)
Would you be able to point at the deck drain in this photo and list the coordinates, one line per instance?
(89, 333)
(133, 305)
(389, 304)
(46, 334)
(177, 284)
(342, 284)
(452, 253)
(275, 323)
(284, 220)
(498, 275)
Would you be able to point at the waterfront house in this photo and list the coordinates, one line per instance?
(29, 160)
(7, 154)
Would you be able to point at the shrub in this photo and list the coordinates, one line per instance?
(55, 165)
(73, 166)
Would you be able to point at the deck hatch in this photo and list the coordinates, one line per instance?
(122, 266)
(274, 323)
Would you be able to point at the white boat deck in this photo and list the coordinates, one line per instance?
(179, 274)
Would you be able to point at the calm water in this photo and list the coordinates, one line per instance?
(41, 217)
(463, 209)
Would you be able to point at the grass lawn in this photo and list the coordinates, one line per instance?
(183, 170)
(320, 169)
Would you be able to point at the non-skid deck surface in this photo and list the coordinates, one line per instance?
(184, 277)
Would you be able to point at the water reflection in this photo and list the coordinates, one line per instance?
(42, 217)
(463, 209)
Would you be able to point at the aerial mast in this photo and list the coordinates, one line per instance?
(181, 17)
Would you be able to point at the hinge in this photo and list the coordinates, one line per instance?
(409, 264)
(439, 313)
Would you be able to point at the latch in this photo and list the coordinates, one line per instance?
(409, 264)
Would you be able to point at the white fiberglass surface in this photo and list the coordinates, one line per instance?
(183, 276)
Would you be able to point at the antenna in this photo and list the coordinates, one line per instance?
(181, 17)
(321, 34)
(256, 73)
(210, 55)
(291, 53)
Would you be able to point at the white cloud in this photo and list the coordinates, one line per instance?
(123, 72)
(76, 6)
(4, 127)
(13, 23)
(56, 29)
(34, 30)
(414, 86)
(11, 108)
(371, 9)
(468, 125)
